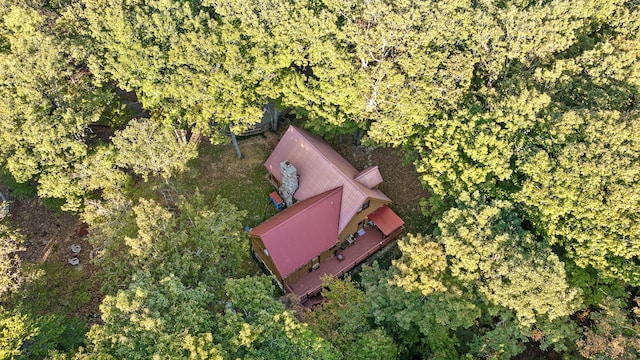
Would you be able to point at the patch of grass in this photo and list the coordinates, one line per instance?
(218, 171)
(252, 196)
(210, 152)
(18, 190)
(53, 203)
(59, 289)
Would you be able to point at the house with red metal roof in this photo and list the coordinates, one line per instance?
(335, 216)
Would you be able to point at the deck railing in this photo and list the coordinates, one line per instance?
(352, 264)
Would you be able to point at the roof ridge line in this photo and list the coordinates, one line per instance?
(326, 195)
(353, 181)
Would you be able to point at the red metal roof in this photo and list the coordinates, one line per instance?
(386, 220)
(321, 169)
(369, 177)
(299, 233)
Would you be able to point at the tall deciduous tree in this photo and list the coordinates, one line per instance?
(343, 318)
(48, 100)
(400, 69)
(276, 46)
(150, 148)
(487, 246)
(204, 244)
(174, 268)
(377, 65)
(95, 173)
(256, 326)
(582, 190)
(420, 325)
(156, 319)
(171, 52)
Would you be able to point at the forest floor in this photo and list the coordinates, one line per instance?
(60, 288)
(400, 180)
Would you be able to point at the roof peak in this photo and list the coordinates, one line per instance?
(319, 151)
(321, 168)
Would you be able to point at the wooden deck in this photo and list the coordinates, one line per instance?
(366, 245)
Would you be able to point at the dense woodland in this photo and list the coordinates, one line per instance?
(522, 119)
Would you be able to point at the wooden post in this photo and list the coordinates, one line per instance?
(195, 137)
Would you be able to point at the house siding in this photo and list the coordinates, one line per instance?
(352, 225)
(305, 268)
(258, 247)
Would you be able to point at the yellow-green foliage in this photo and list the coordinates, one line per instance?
(14, 331)
(149, 148)
(486, 246)
(582, 189)
(47, 102)
(421, 265)
(185, 68)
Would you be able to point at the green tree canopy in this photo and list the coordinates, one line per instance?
(256, 326)
(344, 319)
(149, 148)
(150, 319)
(184, 68)
(48, 100)
(581, 190)
(420, 325)
(204, 244)
(486, 245)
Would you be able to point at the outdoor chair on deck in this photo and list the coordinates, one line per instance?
(351, 239)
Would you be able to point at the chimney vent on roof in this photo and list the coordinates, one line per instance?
(289, 182)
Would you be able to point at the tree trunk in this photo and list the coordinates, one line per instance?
(235, 144)
(4, 206)
(273, 115)
(357, 137)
